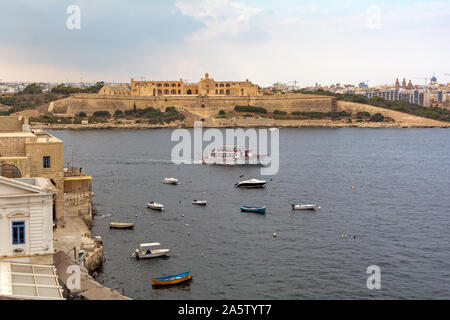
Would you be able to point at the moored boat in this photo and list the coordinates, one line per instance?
(155, 206)
(172, 279)
(305, 207)
(252, 183)
(145, 252)
(260, 210)
(121, 225)
(200, 202)
(170, 181)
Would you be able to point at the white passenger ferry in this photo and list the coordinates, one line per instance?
(235, 155)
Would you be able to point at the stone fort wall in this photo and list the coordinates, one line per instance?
(199, 105)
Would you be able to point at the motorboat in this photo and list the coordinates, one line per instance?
(260, 210)
(305, 207)
(173, 279)
(121, 225)
(170, 181)
(155, 206)
(200, 202)
(145, 251)
(252, 183)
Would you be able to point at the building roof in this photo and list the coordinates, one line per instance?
(37, 186)
(29, 281)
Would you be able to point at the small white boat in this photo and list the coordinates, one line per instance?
(155, 206)
(170, 181)
(145, 251)
(252, 183)
(305, 207)
(200, 202)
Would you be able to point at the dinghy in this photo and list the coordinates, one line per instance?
(200, 202)
(170, 181)
(145, 252)
(121, 225)
(252, 183)
(155, 206)
(260, 210)
(173, 279)
(305, 207)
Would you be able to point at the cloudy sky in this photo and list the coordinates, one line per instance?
(265, 41)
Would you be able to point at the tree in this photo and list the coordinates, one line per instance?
(31, 89)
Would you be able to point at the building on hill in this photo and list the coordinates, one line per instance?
(205, 87)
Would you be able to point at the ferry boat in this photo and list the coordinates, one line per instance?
(235, 155)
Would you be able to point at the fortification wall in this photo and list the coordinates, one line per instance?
(200, 105)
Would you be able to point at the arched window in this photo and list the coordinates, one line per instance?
(221, 91)
(10, 171)
(159, 92)
(166, 85)
(166, 91)
(189, 91)
(228, 85)
(221, 85)
(179, 91)
(159, 84)
(228, 91)
(174, 91)
(174, 85)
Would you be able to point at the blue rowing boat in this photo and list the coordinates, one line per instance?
(171, 280)
(261, 210)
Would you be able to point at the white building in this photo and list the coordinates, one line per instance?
(26, 220)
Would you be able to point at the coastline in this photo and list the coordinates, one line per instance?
(245, 123)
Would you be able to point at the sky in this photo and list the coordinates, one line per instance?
(264, 41)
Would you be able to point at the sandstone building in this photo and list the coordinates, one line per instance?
(206, 86)
(26, 153)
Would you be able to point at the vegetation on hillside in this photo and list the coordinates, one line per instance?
(250, 109)
(401, 106)
(24, 101)
(63, 89)
(149, 115)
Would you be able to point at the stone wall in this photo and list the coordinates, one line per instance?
(10, 124)
(201, 105)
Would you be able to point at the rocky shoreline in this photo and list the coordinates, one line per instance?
(245, 123)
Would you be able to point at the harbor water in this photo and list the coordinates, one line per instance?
(384, 197)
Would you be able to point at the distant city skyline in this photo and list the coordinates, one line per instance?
(321, 41)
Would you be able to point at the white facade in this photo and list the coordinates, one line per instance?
(26, 220)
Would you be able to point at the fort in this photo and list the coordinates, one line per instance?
(205, 98)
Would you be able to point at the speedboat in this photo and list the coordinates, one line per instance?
(305, 207)
(145, 252)
(260, 210)
(200, 202)
(121, 225)
(170, 181)
(173, 279)
(252, 183)
(155, 206)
